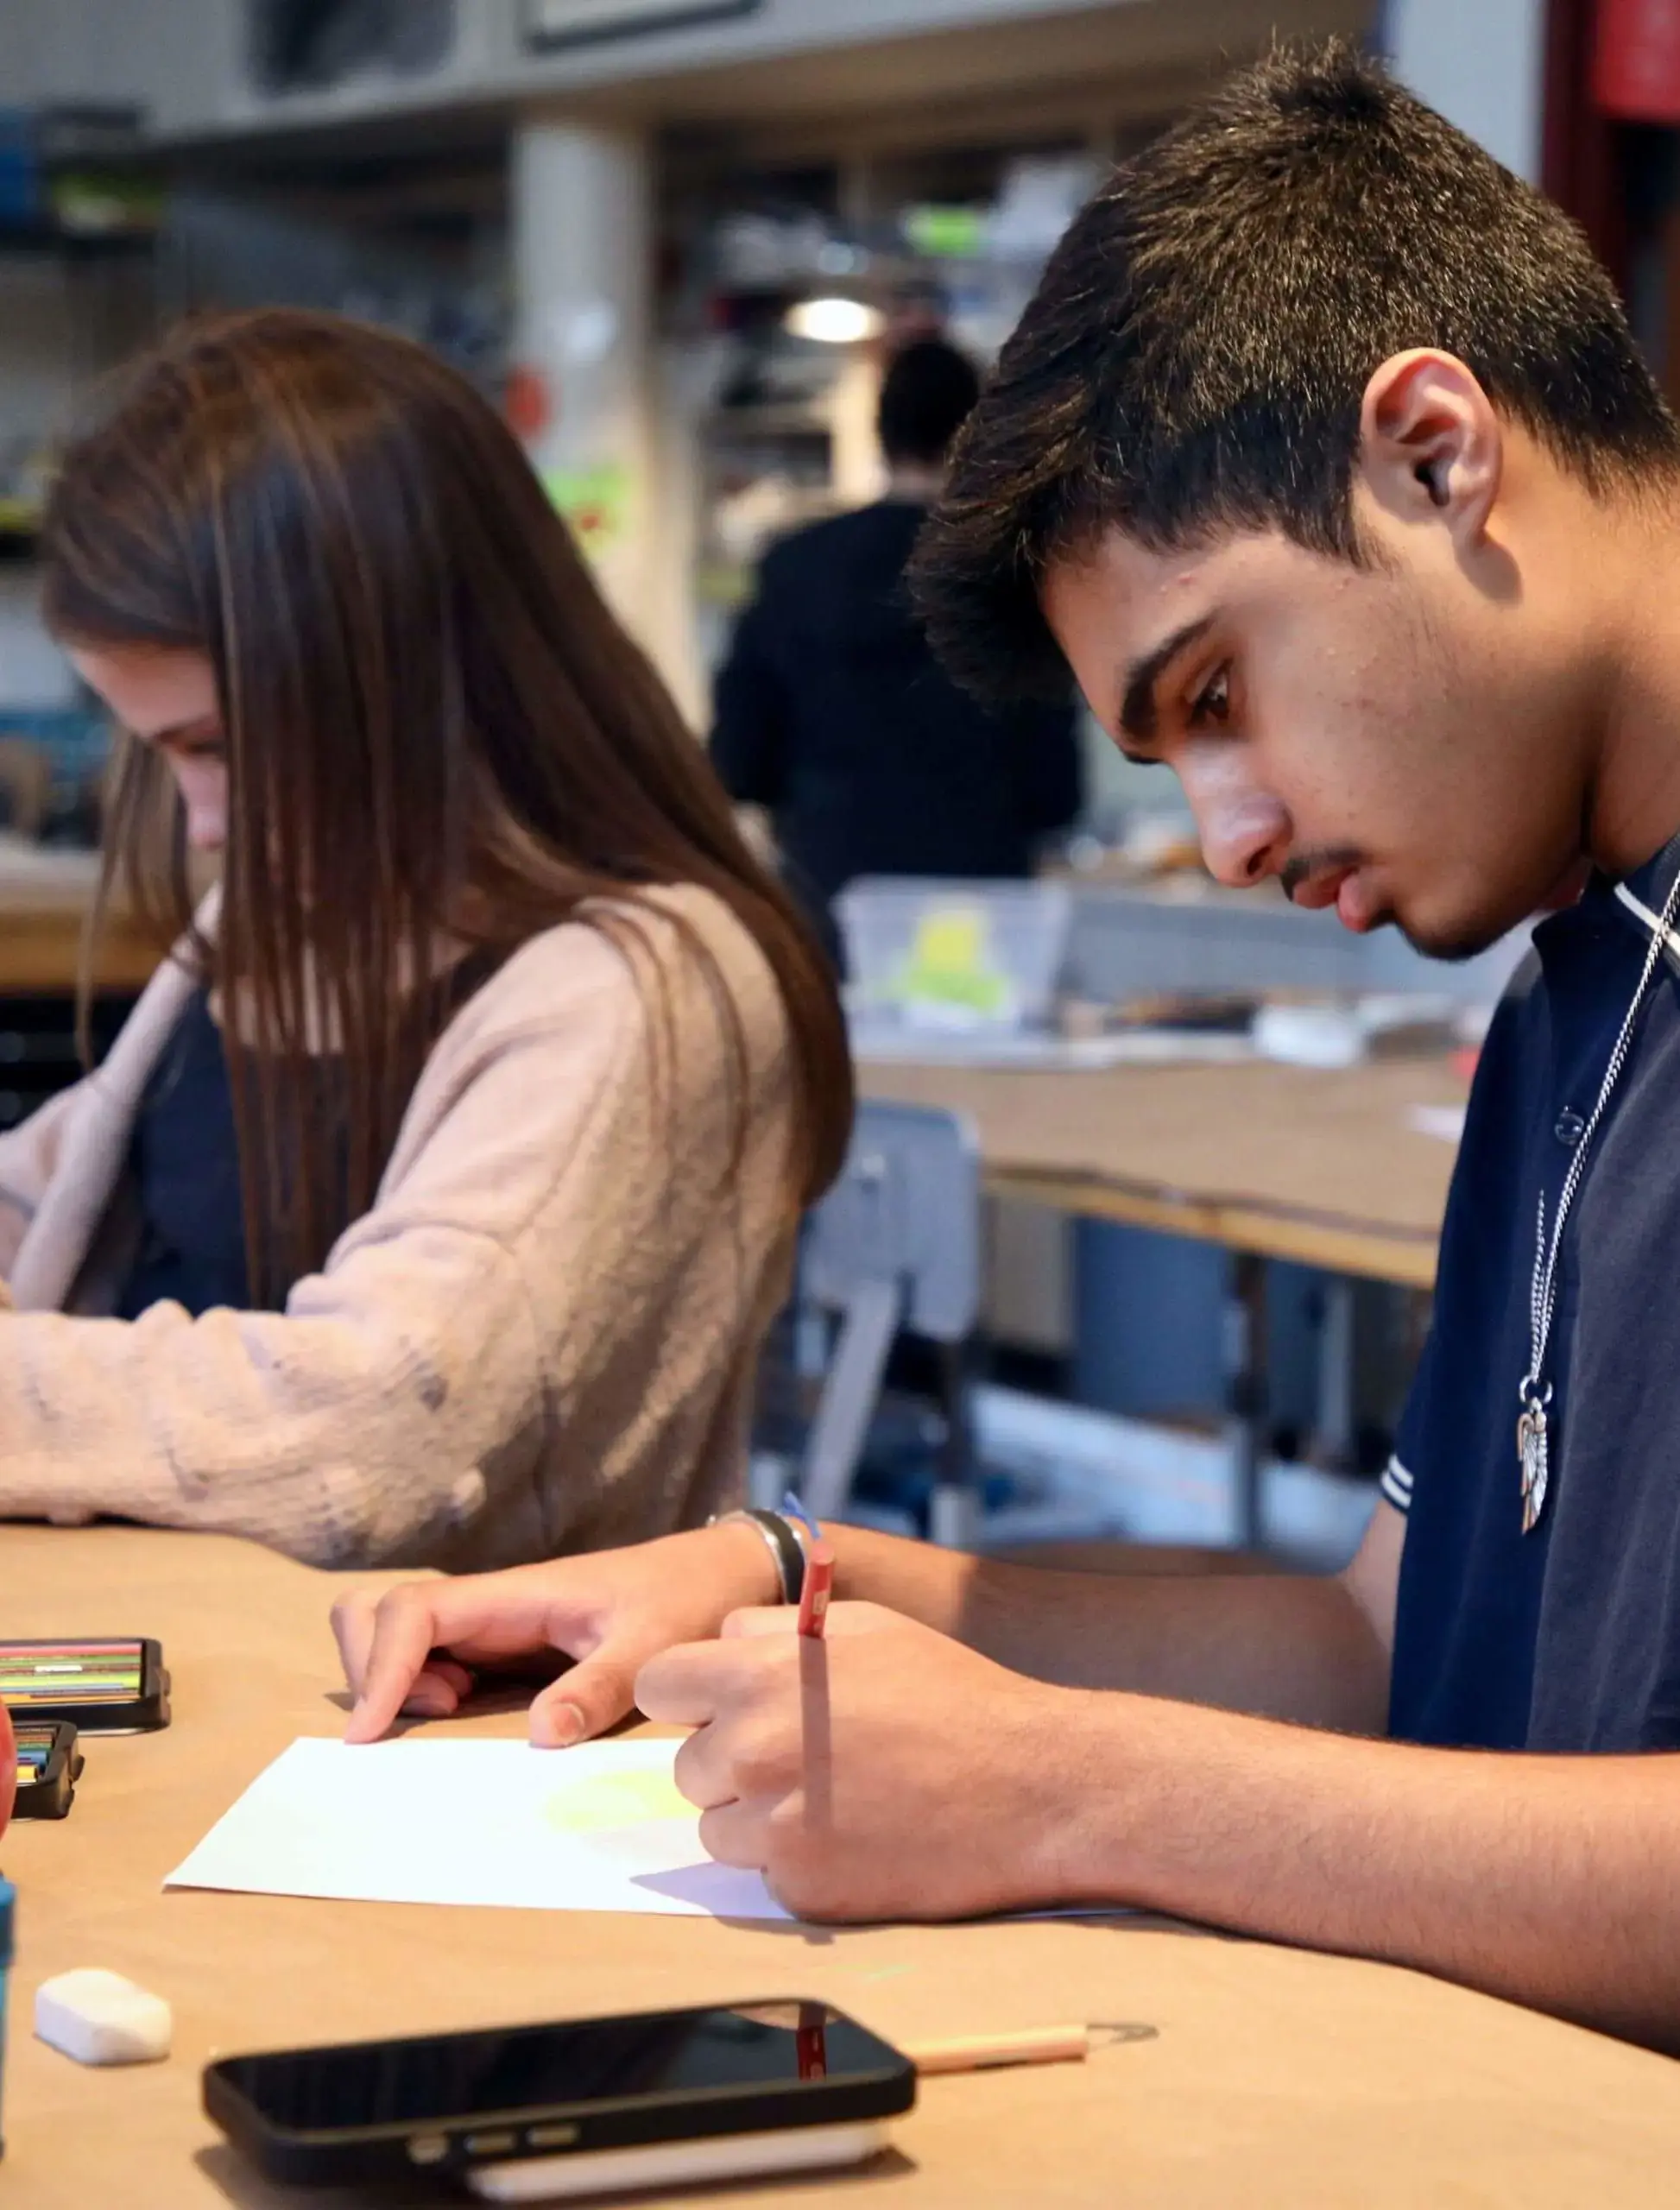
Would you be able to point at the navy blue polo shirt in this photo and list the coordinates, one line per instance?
(1568, 1639)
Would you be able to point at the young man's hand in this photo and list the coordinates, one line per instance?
(419, 1647)
(886, 1772)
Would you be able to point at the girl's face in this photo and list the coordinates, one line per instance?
(167, 699)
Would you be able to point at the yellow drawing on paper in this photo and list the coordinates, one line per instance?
(611, 1801)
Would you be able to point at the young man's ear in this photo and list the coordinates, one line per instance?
(1430, 443)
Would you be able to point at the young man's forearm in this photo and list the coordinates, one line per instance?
(1287, 1647)
(1548, 1880)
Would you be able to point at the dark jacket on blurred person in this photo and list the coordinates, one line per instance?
(832, 713)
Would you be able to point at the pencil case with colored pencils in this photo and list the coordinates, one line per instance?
(112, 1684)
(48, 1766)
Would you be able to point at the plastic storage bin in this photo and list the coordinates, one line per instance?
(954, 956)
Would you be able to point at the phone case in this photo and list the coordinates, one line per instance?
(48, 1766)
(108, 1685)
(680, 2164)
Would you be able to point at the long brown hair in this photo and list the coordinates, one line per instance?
(436, 731)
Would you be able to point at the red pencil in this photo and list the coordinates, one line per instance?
(818, 1588)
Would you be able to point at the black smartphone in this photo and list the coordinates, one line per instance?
(650, 2098)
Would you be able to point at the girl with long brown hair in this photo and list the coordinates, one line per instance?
(432, 1203)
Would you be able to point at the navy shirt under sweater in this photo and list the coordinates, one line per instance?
(1568, 1639)
(184, 1162)
(184, 1156)
(184, 1159)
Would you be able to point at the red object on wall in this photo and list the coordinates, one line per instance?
(1582, 169)
(1636, 63)
(527, 403)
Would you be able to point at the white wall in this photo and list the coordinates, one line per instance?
(778, 27)
(186, 59)
(175, 57)
(1482, 64)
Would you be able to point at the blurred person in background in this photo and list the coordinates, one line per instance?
(833, 715)
(434, 1199)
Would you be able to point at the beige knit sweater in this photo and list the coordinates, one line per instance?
(541, 1337)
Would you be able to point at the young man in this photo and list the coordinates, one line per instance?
(1325, 459)
(832, 712)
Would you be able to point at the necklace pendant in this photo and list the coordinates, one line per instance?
(1533, 1454)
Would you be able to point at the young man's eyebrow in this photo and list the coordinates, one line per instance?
(1138, 682)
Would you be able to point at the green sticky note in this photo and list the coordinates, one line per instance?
(949, 964)
(594, 501)
(946, 233)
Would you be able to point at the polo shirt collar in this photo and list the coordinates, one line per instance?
(1643, 894)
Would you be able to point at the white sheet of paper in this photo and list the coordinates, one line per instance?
(600, 1828)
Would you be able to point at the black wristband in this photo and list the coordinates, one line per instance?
(785, 1544)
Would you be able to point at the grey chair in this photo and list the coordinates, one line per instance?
(895, 1245)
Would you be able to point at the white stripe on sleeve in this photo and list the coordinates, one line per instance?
(1397, 1485)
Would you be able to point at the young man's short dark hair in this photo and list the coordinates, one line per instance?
(1197, 353)
(928, 392)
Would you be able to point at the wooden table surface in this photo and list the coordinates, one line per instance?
(1241, 2074)
(1290, 1162)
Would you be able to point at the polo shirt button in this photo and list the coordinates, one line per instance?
(1570, 1129)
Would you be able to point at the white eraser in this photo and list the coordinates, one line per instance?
(99, 2017)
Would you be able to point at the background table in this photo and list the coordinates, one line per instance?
(1245, 2074)
(44, 899)
(1322, 1167)
(1273, 1161)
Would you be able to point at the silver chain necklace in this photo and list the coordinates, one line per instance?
(1533, 1443)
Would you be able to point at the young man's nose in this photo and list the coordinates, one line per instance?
(1245, 835)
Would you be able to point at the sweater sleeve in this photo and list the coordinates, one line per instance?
(407, 1386)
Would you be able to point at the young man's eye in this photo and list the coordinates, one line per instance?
(1212, 708)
